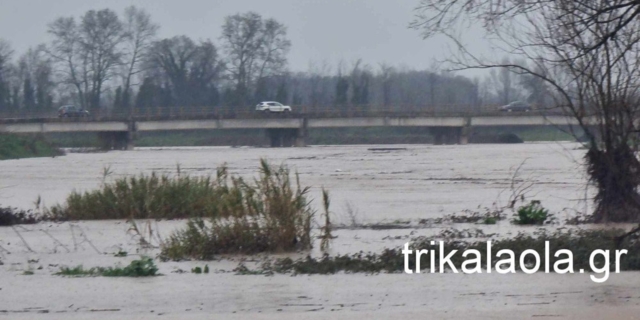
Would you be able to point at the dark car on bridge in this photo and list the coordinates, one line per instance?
(516, 106)
(72, 112)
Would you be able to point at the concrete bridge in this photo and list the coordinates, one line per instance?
(283, 129)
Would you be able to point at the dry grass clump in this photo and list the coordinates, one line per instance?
(269, 214)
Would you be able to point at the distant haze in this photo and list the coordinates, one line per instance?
(321, 31)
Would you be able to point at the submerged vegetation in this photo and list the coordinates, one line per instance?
(532, 213)
(270, 214)
(486, 216)
(26, 146)
(143, 267)
(581, 242)
(12, 216)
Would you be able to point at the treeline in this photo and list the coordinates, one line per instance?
(108, 62)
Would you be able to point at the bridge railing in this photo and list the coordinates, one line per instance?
(312, 111)
(350, 111)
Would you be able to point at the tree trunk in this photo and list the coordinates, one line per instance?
(616, 174)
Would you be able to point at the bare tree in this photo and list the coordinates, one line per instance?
(255, 48)
(505, 84)
(191, 69)
(139, 32)
(360, 78)
(318, 88)
(5, 55)
(588, 55)
(5, 68)
(386, 73)
(36, 72)
(5, 60)
(101, 34)
(69, 56)
(443, 16)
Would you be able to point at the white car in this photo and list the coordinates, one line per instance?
(272, 106)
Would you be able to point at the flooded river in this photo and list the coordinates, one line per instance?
(376, 182)
(373, 184)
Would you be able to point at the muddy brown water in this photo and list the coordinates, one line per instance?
(407, 182)
(369, 184)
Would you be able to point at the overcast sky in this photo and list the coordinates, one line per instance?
(320, 30)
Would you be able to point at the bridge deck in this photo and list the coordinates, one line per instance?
(291, 120)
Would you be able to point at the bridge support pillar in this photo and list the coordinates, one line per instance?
(131, 136)
(464, 137)
(301, 134)
(288, 137)
(438, 135)
(465, 132)
(116, 140)
(279, 137)
(450, 135)
(106, 140)
(444, 135)
(438, 139)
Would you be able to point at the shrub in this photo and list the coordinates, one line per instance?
(533, 213)
(270, 214)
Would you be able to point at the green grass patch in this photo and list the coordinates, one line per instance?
(143, 267)
(531, 214)
(26, 146)
(78, 271)
(199, 270)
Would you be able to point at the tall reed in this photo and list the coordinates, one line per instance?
(268, 214)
